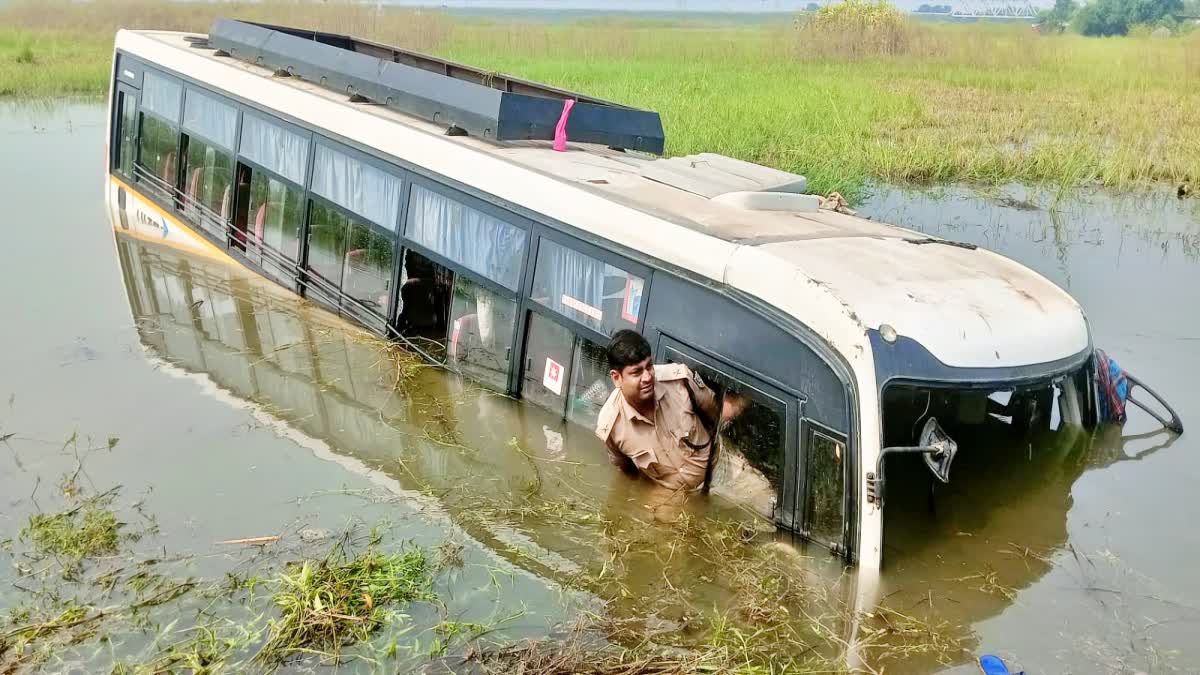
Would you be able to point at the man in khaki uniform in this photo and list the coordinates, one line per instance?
(649, 423)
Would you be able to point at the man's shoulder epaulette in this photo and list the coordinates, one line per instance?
(608, 415)
(666, 372)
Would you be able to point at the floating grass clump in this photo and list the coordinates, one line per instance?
(341, 600)
(87, 531)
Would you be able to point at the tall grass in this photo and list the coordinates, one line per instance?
(856, 93)
(854, 29)
(100, 19)
(989, 104)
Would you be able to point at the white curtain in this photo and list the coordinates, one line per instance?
(595, 290)
(161, 96)
(274, 147)
(211, 118)
(471, 238)
(370, 192)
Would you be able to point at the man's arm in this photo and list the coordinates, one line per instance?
(730, 406)
(620, 460)
(704, 396)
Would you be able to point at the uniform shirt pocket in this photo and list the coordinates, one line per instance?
(647, 461)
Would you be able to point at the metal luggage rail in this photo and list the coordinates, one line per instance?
(463, 98)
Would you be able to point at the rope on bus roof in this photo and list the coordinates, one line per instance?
(560, 131)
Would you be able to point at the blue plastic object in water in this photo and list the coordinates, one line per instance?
(992, 665)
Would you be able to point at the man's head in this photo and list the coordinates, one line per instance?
(631, 368)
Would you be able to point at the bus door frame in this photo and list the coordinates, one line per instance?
(122, 95)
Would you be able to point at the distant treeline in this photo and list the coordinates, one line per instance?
(1119, 17)
(935, 9)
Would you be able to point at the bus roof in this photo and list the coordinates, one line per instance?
(838, 274)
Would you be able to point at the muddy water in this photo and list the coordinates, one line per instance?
(1113, 585)
(242, 411)
(201, 457)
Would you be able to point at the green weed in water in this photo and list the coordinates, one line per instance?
(449, 632)
(208, 649)
(86, 531)
(336, 602)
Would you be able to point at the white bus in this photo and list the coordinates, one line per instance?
(425, 201)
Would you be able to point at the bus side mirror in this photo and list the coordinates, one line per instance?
(933, 436)
(936, 447)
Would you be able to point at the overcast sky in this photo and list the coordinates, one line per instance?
(670, 5)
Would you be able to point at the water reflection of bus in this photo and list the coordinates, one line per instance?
(514, 263)
(429, 430)
(490, 462)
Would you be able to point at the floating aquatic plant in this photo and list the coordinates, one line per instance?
(329, 604)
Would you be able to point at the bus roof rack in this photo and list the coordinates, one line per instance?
(463, 98)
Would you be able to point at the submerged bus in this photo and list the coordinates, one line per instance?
(425, 200)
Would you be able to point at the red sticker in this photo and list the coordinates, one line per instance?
(553, 377)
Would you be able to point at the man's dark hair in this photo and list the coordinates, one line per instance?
(626, 348)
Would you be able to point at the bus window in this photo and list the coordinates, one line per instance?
(368, 276)
(208, 180)
(594, 293)
(327, 229)
(274, 147)
(749, 460)
(210, 126)
(357, 186)
(156, 154)
(425, 289)
(159, 137)
(748, 464)
(824, 503)
(590, 383)
(273, 213)
(548, 349)
(483, 244)
(364, 265)
(481, 332)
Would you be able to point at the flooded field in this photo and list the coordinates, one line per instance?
(200, 405)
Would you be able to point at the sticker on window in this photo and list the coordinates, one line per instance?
(631, 306)
(582, 307)
(553, 378)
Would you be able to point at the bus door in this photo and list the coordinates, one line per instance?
(759, 428)
(124, 141)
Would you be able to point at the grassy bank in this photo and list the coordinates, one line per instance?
(916, 104)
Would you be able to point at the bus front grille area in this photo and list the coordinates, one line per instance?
(1002, 441)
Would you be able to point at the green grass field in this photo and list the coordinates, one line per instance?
(976, 103)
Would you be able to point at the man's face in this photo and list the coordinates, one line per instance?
(636, 382)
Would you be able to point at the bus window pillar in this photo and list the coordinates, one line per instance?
(870, 512)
